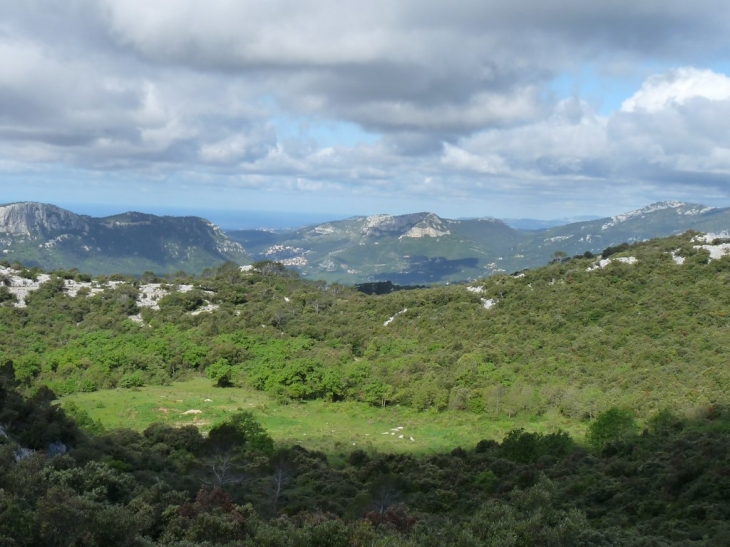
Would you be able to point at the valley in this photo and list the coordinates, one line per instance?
(584, 402)
(426, 249)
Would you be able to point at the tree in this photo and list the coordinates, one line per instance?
(230, 447)
(221, 372)
(614, 425)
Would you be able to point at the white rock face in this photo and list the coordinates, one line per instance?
(677, 259)
(430, 226)
(682, 209)
(557, 238)
(606, 261)
(149, 293)
(425, 231)
(716, 251)
(29, 218)
(627, 259)
(325, 229)
(710, 237)
(390, 319)
(208, 308)
(376, 224)
(415, 225)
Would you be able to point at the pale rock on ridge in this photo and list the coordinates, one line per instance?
(32, 219)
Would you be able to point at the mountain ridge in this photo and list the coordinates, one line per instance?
(423, 248)
(48, 236)
(415, 248)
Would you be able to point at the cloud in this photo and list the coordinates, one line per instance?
(677, 87)
(673, 128)
(670, 134)
(456, 93)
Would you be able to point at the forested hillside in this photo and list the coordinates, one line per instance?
(572, 338)
(423, 248)
(47, 236)
(633, 340)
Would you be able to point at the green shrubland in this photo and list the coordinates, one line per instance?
(69, 481)
(558, 340)
(630, 357)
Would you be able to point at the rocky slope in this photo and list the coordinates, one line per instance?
(37, 234)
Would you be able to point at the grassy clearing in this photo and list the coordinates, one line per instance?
(317, 425)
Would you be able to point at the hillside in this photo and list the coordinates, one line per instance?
(635, 329)
(655, 220)
(49, 237)
(415, 249)
(423, 248)
(631, 346)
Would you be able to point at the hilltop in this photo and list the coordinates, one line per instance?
(49, 237)
(414, 249)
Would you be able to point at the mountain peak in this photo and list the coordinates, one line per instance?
(29, 218)
(383, 225)
(681, 208)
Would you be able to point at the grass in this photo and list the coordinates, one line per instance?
(316, 425)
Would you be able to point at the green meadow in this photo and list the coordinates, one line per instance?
(316, 425)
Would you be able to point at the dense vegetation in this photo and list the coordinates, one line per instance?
(636, 350)
(60, 485)
(559, 339)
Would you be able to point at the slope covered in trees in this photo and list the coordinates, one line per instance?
(572, 338)
(640, 332)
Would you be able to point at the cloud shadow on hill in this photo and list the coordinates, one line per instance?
(424, 269)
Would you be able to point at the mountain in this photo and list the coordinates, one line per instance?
(424, 248)
(418, 248)
(656, 220)
(415, 248)
(44, 235)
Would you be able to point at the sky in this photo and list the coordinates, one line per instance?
(503, 108)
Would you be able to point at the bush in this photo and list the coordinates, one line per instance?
(614, 425)
(221, 372)
(132, 379)
(240, 431)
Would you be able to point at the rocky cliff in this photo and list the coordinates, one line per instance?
(38, 219)
(38, 234)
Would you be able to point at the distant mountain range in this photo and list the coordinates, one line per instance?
(424, 248)
(37, 234)
(419, 248)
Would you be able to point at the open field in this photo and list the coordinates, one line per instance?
(317, 425)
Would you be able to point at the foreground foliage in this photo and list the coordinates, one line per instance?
(667, 486)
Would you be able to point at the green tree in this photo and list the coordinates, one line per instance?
(614, 425)
(220, 372)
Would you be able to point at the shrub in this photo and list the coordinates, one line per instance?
(132, 379)
(614, 425)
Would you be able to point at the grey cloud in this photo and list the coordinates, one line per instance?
(407, 65)
(457, 90)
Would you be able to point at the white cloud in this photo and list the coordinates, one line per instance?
(677, 87)
(459, 159)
